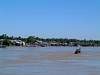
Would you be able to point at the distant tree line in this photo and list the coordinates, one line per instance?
(6, 40)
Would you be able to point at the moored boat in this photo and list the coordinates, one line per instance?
(2, 46)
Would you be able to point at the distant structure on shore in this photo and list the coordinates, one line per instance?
(18, 42)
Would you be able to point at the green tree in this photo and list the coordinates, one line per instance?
(6, 42)
(31, 40)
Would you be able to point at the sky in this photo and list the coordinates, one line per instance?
(51, 18)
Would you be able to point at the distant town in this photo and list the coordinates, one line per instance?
(33, 41)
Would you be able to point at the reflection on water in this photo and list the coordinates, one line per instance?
(49, 61)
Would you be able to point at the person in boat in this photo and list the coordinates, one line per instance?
(78, 50)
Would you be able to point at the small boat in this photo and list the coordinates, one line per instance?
(78, 51)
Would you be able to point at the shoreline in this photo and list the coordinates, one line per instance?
(50, 46)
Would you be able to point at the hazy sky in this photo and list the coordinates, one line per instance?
(51, 18)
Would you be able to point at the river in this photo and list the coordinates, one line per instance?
(49, 61)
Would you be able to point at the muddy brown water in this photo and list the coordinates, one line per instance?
(49, 61)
